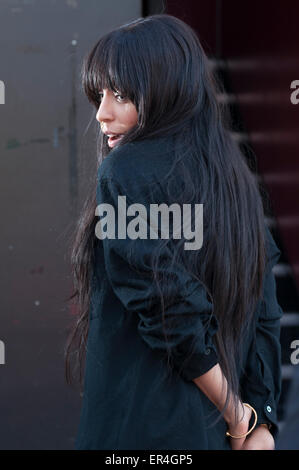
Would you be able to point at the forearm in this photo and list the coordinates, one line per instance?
(214, 385)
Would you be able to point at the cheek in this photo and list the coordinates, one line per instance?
(130, 115)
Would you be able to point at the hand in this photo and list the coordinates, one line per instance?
(259, 439)
(239, 427)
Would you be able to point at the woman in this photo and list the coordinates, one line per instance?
(176, 339)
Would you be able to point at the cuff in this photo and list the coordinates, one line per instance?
(266, 413)
(197, 364)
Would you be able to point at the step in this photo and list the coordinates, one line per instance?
(287, 372)
(282, 269)
(289, 319)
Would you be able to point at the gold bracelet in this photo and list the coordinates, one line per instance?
(252, 427)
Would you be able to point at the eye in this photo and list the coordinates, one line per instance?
(119, 97)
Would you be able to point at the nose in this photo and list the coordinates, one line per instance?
(105, 111)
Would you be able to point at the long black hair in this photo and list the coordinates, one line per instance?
(159, 64)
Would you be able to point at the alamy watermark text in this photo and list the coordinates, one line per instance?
(2, 353)
(138, 227)
(2, 92)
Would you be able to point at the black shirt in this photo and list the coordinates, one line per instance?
(130, 401)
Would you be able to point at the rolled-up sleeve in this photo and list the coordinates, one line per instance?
(261, 382)
(189, 322)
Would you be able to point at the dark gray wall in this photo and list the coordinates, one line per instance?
(46, 157)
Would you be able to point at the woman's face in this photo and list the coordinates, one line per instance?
(116, 114)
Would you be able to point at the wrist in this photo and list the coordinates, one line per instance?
(240, 429)
(233, 414)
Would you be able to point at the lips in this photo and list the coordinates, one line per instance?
(108, 133)
(113, 138)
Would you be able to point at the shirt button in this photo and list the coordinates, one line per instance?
(269, 409)
(207, 351)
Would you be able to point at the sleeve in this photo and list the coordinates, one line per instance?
(261, 383)
(189, 321)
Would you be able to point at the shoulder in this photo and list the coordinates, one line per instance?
(139, 161)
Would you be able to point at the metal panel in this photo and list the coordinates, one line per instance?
(46, 157)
